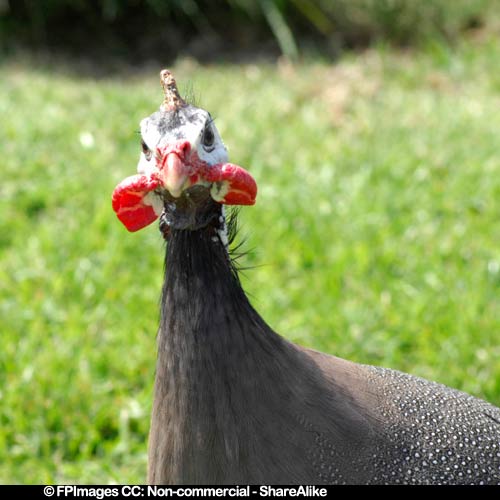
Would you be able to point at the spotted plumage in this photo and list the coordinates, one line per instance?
(424, 433)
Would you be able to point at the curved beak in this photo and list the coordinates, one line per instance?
(174, 168)
(174, 175)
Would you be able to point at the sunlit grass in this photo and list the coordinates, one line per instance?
(375, 236)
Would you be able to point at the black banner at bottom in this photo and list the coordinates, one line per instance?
(241, 491)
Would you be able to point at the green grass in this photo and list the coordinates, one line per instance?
(376, 236)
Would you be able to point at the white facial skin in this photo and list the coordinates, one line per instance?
(192, 124)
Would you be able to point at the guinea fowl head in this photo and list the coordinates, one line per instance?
(183, 171)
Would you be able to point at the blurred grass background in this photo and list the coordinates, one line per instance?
(375, 235)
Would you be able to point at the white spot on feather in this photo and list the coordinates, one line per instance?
(222, 232)
(223, 236)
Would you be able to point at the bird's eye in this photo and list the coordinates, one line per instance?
(146, 151)
(208, 138)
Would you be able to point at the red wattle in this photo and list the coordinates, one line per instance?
(128, 201)
(242, 188)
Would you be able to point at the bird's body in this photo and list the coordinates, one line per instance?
(237, 403)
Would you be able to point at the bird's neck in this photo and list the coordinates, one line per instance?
(213, 350)
(204, 308)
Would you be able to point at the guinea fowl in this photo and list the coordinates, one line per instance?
(234, 402)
